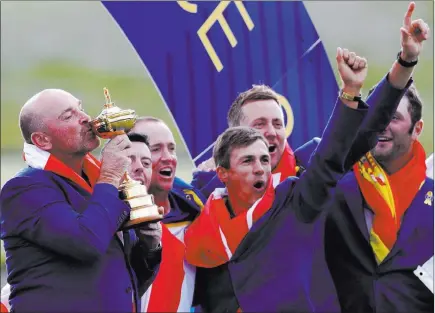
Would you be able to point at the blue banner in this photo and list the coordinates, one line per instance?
(201, 55)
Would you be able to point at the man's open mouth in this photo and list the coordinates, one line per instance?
(259, 185)
(272, 148)
(167, 172)
(384, 139)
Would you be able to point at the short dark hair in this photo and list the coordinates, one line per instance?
(232, 138)
(135, 137)
(415, 104)
(257, 92)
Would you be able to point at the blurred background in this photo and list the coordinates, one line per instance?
(77, 46)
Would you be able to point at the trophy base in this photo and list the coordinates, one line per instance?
(142, 215)
(143, 208)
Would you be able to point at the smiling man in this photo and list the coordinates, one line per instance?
(140, 168)
(172, 291)
(395, 143)
(162, 146)
(379, 229)
(257, 108)
(390, 200)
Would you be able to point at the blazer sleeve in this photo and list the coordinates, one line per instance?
(383, 103)
(146, 264)
(200, 178)
(328, 163)
(304, 152)
(38, 212)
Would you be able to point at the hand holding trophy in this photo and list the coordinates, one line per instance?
(113, 121)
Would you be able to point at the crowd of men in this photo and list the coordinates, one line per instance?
(343, 223)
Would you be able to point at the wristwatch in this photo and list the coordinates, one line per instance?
(347, 96)
(404, 63)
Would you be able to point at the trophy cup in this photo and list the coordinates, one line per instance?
(111, 122)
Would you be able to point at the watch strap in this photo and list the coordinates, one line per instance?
(349, 97)
(404, 63)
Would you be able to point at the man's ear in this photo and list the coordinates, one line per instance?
(418, 128)
(41, 140)
(222, 174)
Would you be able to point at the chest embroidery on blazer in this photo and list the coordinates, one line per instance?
(428, 198)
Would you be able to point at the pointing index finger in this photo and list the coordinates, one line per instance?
(407, 19)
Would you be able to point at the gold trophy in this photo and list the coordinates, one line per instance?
(111, 122)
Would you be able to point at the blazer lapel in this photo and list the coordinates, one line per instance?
(355, 202)
(260, 233)
(418, 217)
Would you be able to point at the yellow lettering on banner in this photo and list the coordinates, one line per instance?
(289, 113)
(217, 15)
(187, 6)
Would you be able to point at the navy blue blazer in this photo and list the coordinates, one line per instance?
(62, 251)
(363, 285)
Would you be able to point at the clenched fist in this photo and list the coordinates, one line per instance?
(115, 160)
(352, 69)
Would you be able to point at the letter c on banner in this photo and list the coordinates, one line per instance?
(289, 113)
(187, 6)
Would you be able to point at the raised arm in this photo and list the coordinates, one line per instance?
(386, 96)
(328, 163)
(413, 34)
